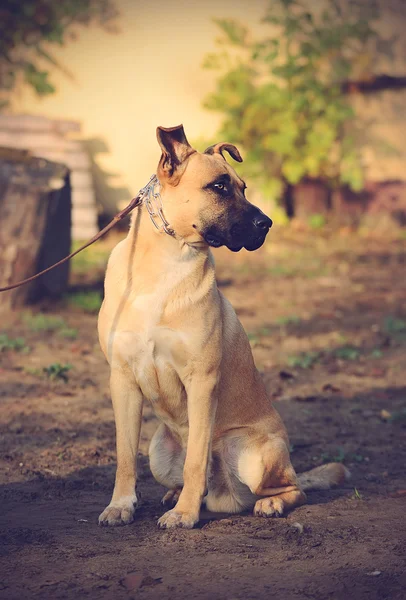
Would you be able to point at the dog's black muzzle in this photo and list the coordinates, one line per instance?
(248, 232)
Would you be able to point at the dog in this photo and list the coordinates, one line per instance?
(171, 338)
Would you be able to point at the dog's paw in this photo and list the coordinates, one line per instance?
(269, 507)
(173, 518)
(171, 497)
(119, 512)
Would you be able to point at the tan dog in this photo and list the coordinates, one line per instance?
(173, 339)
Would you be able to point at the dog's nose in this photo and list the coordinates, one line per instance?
(262, 222)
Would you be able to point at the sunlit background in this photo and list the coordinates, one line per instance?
(149, 71)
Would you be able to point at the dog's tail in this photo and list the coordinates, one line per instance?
(324, 477)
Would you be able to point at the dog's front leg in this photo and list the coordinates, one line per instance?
(127, 404)
(202, 403)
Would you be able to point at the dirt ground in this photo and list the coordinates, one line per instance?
(326, 316)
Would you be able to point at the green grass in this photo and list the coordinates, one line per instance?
(69, 333)
(306, 360)
(338, 457)
(57, 371)
(17, 344)
(347, 353)
(282, 271)
(357, 495)
(43, 322)
(341, 456)
(89, 302)
(264, 331)
(317, 221)
(398, 416)
(289, 320)
(255, 336)
(33, 371)
(341, 339)
(94, 257)
(393, 325)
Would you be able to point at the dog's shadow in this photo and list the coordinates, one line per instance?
(82, 495)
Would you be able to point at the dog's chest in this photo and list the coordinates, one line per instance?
(157, 356)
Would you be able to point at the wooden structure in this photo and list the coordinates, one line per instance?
(35, 225)
(53, 139)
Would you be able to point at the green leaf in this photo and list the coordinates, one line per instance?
(235, 33)
(280, 95)
(293, 171)
(38, 80)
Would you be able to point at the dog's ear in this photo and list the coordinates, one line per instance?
(175, 150)
(230, 148)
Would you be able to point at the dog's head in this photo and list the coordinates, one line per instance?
(204, 198)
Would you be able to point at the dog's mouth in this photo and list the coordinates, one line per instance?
(252, 244)
(235, 248)
(255, 243)
(249, 234)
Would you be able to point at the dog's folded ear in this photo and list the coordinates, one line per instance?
(175, 150)
(230, 148)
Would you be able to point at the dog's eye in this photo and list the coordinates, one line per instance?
(220, 186)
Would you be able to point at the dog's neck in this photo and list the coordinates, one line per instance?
(149, 238)
(158, 255)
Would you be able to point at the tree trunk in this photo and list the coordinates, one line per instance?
(288, 199)
(35, 223)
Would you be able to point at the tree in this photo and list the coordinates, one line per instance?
(283, 97)
(29, 29)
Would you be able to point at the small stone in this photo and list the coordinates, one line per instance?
(372, 477)
(298, 526)
(132, 581)
(225, 521)
(374, 573)
(398, 494)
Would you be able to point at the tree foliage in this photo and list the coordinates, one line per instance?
(29, 29)
(282, 96)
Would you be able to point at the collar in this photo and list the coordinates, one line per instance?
(151, 197)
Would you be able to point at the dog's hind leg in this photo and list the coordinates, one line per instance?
(265, 467)
(171, 497)
(166, 459)
(226, 493)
